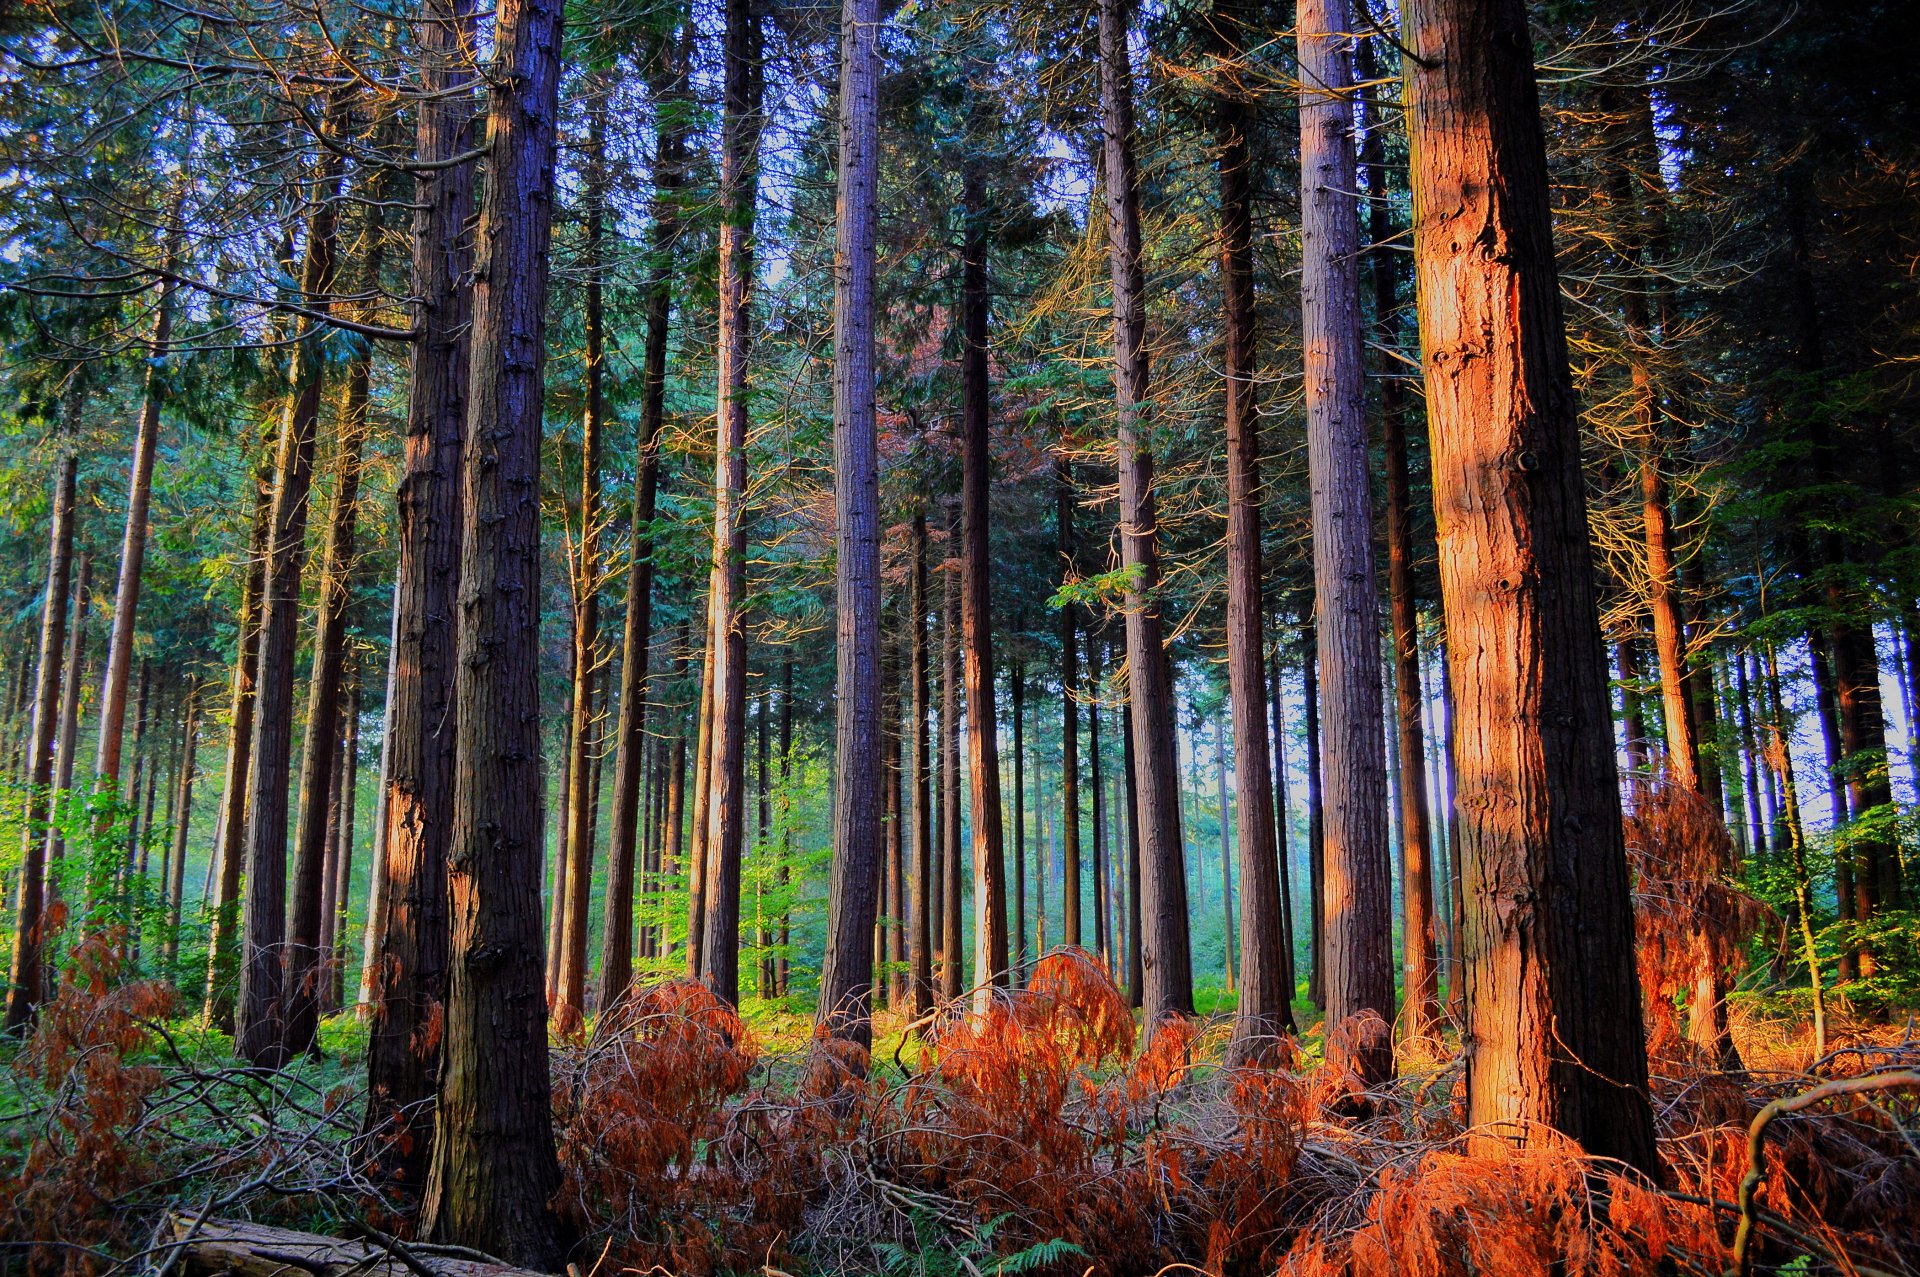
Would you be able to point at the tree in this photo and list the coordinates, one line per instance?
(1554, 1032)
(846, 978)
(1165, 956)
(1358, 882)
(494, 1169)
(410, 969)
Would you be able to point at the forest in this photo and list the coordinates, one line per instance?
(953, 638)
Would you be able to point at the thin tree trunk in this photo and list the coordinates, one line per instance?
(377, 869)
(1781, 757)
(1316, 828)
(261, 1025)
(1165, 952)
(976, 569)
(182, 825)
(308, 977)
(27, 974)
(952, 962)
(727, 640)
(1357, 879)
(697, 860)
(1554, 1033)
(1136, 971)
(1226, 851)
(1101, 939)
(1017, 689)
(920, 933)
(1069, 713)
(407, 980)
(494, 1170)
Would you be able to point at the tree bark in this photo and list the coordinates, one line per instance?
(1316, 827)
(1263, 1015)
(261, 1023)
(182, 823)
(1358, 881)
(1069, 714)
(570, 990)
(976, 569)
(727, 640)
(494, 1171)
(1419, 963)
(1165, 954)
(952, 960)
(669, 90)
(408, 984)
(308, 977)
(1554, 1038)
(1099, 813)
(27, 975)
(920, 935)
(1017, 690)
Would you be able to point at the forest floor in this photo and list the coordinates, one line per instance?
(1045, 1138)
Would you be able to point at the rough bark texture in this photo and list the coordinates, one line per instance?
(408, 986)
(920, 934)
(952, 959)
(1553, 1036)
(260, 1025)
(1264, 1013)
(1358, 882)
(570, 996)
(727, 639)
(27, 974)
(214, 1247)
(670, 146)
(1419, 965)
(1165, 957)
(1069, 714)
(976, 574)
(846, 976)
(493, 1170)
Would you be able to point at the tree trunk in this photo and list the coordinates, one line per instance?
(1263, 1015)
(1226, 851)
(1316, 828)
(570, 985)
(27, 975)
(1136, 971)
(1358, 881)
(668, 90)
(133, 544)
(697, 860)
(1017, 689)
(846, 976)
(1553, 1035)
(727, 640)
(338, 952)
(408, 983)
(1419, 963)
(1094, 783)
(952, 963)
(261, 1026)
(1069, 714)
(920, 936)
(182, 824)
(1282, 808)
(308, 976)
(1164, 954)
(976, 569)
(494, 1171)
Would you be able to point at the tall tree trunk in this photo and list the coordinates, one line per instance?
(26, 982)
(1633, 736)
(230, 829)
(322, 973)
(261, 1025)
(1165, 954)
(1069, 713)
(308, 977)
(783, 967)
(1282, 809)
(727, 640)
(1779, 732)
(1263, 1015)
(1094, 779)
(976, 574)
(570, 990)
(668, 90)
(1316, 827)
(133, 544)
(339, 950)
(920, 933)
(697, 859)
(1136, 970)
(182, 825)
(61, 798)
(1358, 881)
(1554, 1034)
(494, 1171)
(1226, 851)
(1017, 689)
(952, 962)
(1419, 963)
(408, 984)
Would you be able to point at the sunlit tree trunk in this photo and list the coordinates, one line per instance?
(261, 1024)
(1357, 882)
(494, 1171)
(27, 974)
(1554, 1034)
(1165, 955)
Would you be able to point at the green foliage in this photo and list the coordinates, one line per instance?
(941, 1249)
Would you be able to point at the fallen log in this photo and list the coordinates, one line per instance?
(238, 1248)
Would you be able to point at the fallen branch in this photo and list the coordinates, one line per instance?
(246, 1249)
(1757, 1151)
